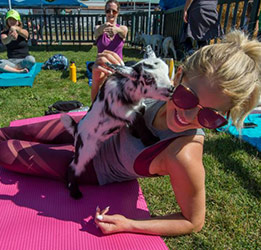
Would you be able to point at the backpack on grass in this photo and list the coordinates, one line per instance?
(63, 106)
(56, 62)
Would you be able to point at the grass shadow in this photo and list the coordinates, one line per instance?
(221, 146)
(132, 52)
(81, 74)
(75, 48)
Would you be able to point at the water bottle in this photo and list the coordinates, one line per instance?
(170, 63)
(73, 76)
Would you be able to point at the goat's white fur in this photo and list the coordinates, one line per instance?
(167, 45)
(117, 103)
(154, 40)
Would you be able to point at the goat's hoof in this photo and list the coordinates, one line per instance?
(76, 195)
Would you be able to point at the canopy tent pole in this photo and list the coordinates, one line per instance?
(10, 4)
(149, 14)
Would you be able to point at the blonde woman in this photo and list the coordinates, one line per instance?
(216, 82)
(15, 38)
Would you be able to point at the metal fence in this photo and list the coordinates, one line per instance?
(79, 29)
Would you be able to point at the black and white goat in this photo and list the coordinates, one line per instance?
(118, 103)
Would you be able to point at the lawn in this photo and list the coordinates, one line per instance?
(233, 168)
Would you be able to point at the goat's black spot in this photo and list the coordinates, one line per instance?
(100, 123)
(138, 68)
(79, 144)
(112, 130)
(102, 92)
(122, 95)
(149, 66)
(136, 83)
(149, 81)
(109, 112)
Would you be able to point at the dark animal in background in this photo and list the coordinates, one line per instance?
(118, 103)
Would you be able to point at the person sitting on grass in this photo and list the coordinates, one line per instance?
(15, 38)
(217, 82)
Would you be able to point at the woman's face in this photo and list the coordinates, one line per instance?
(112, 12)
(209, 95)
(12, 22)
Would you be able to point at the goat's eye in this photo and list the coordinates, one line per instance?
(149, 66)
(148, 79)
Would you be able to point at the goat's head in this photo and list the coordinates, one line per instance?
(149, 77)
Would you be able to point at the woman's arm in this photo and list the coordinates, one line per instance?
(185, 15)
(112, 30)
(22, 32)
(187, 178)
(14, 31)
(99, 30)
(6, 39)
(100, 71)
(122, 31)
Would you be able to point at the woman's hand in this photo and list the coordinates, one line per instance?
(100, 70)
(111, 30)
(111, 223)
(24, 70)
(13, 34)
(185, 16)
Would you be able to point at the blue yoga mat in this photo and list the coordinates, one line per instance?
(251, 135)
(20, 79)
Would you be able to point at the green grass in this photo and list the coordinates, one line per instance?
(233, 168)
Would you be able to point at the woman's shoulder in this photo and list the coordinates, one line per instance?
(183, 152)
(189, 149)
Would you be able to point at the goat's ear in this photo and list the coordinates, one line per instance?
(149, 53)
(126, 71)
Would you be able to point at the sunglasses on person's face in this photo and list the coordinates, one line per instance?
(184, 98)
(109, 11)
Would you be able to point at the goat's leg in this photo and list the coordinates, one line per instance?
(174, 53)
(83, 156)
(140, 130)
(72, 184)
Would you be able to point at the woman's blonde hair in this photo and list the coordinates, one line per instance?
(235, 64)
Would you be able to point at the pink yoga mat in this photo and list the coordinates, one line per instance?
(43, 118)
(39, 214)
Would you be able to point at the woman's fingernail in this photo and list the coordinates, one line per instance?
(109, 72)
(107, 208)
(99, 217)
(122, 63)
(97, 208)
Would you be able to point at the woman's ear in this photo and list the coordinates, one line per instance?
(178, 76)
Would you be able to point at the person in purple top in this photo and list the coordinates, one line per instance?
(109, 36)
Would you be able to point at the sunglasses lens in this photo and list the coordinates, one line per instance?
(184, 98)
(210, 119)
(113, 11)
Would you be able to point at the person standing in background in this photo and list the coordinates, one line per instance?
(200, 23)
